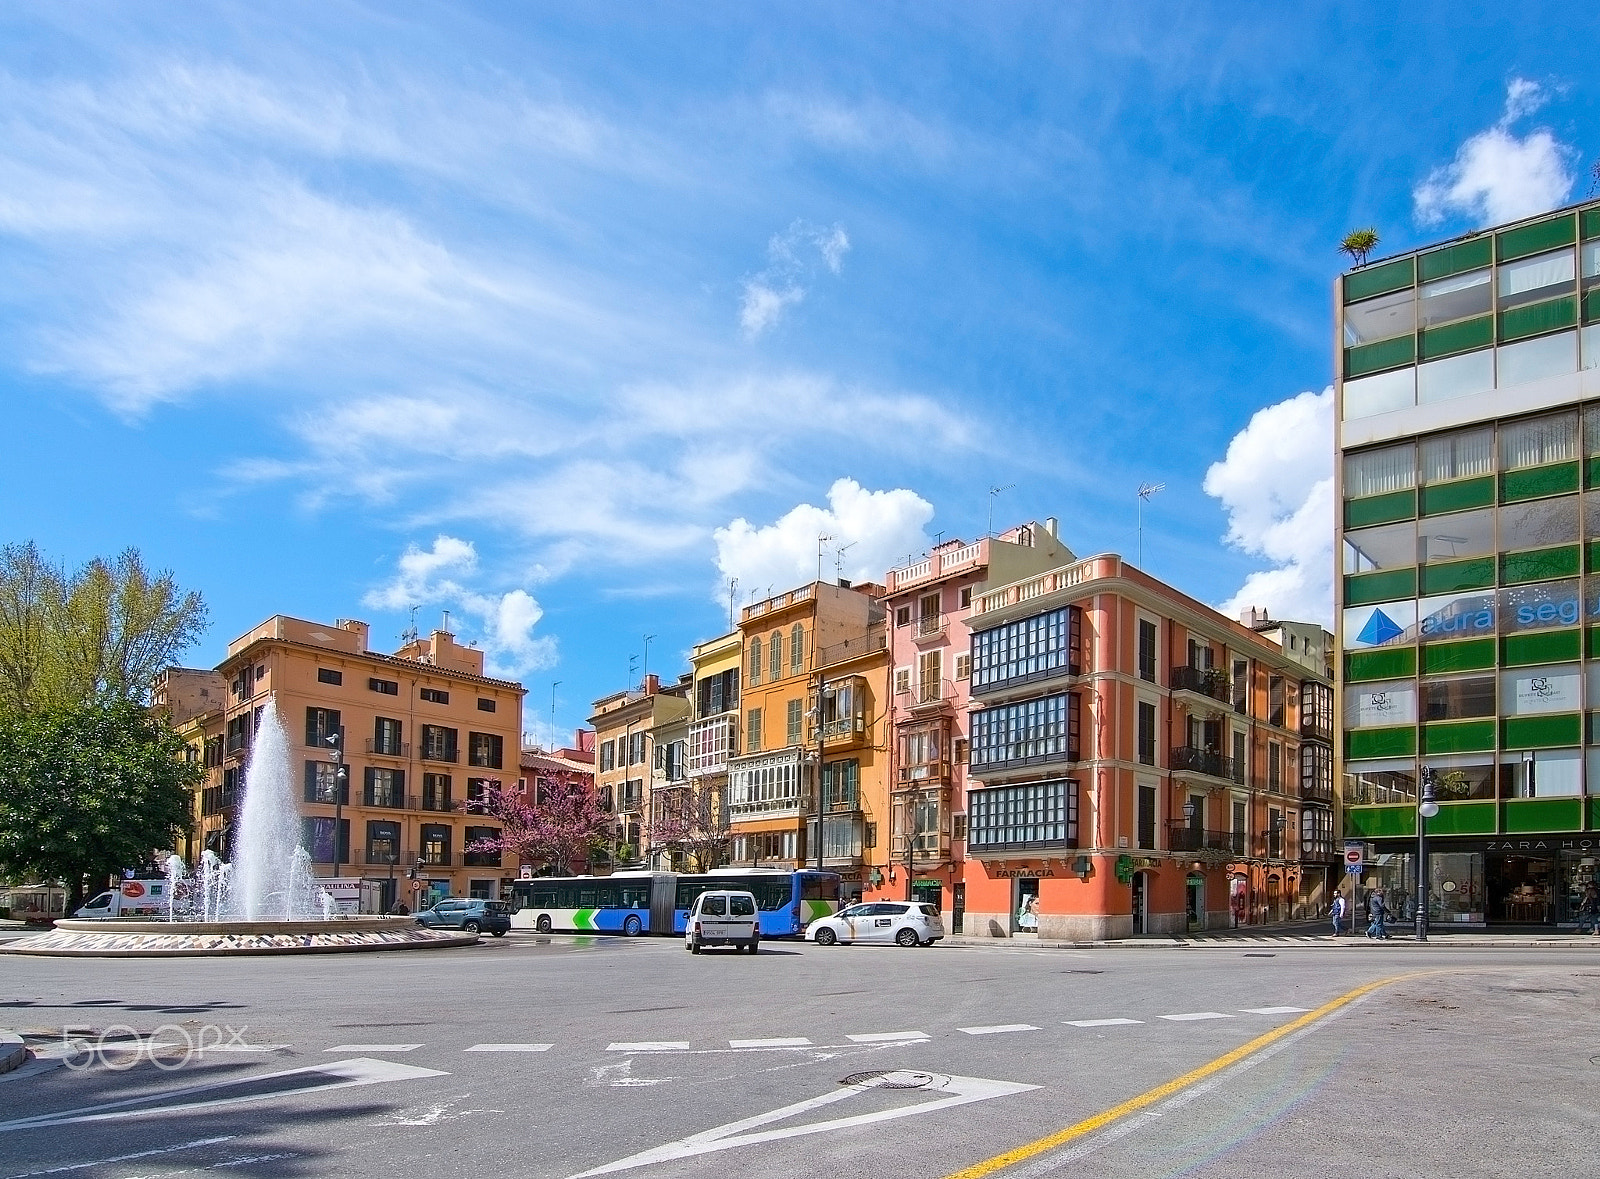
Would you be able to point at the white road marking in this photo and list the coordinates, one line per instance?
(650, 1046)
(340, 1074)
(886, 1037)
(509, 1048)
(243, 1048)
(775, 1042)
(1100, 1023)
(123, 1158)
(1198, 1015)
(439, 1111)
(373, 1048)
(1272, 1010)
(620, 1076)
(951, 1091)
(998, 1028)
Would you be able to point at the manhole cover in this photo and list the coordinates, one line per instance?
(898, 1079)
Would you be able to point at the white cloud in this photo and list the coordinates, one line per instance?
(790, 266)
(502, 624)
(1276, 483)
(876, 529)
(1498, 175)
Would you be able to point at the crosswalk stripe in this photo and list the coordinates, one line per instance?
(1272, 1010)
(373, 1048)
(509, 1048)
(650, 1046)
(773, 1042)
(886, 1037)
(1198, 1015)
(1100, 1023)
(999, 1027)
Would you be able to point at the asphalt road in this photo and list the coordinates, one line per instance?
(568, 1056)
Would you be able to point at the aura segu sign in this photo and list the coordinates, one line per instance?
(1479, 613)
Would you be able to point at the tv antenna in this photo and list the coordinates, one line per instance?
(822, 539)
(1146, 490)
(733, 584)
(838, 559)
(994, 491)
(647, 639)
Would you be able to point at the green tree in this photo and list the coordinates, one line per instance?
(87, 791)
(1358, 243)
(101, 633)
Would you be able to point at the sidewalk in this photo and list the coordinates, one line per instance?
(1310, 934)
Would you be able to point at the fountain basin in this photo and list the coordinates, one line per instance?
(179, 939)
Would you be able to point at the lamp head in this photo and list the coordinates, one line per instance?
(1428, 808)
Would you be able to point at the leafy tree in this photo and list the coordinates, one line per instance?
(560, 831)
(691, 822)
(1358, 243)
(87, 791)
(101, 633)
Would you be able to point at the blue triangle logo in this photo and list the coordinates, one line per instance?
(1380, 629)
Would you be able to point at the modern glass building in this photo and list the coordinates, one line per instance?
(1468, 394)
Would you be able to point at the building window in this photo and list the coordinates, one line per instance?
(632, 796)
(435, 696)
(963, 666)
(1147, 650)
(486, 750)
(387, 687)
(386, 737)
(718, 693)
(1026, 733)
(383, 842)
(435, 849)
(841, 783)
(1147, 733)
(384, 787)
(966, 596)
(930, 677)
(636, 749)
(672, 759)
(436, 792)
(755, 660)
(766, 845)
(318, 837)
(1030, 649)
(1038, 814)
(1276, 701)
(481, 858)
(765, 786)
(1241, 686)
(239, 732)
(902, 680)
(438, 743)
(794, 709)
(1316, 709)
(485, 704)
(923, 751)
(608, 756)
(775, 655)
(603, 794)
(321, 723)
(322, 784)
(1274, 766)
(326, 675)
(961, 751)
(797, 649)
(478, 790)
(752, 730)
(1147, 817)
(844, 707)
(902, 615)
(1316, 772)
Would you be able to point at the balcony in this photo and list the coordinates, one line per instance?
(1319, 849)
(379, 748)
(1315, 730)
(1209, 682)
(988, 760)
(1183, 838)
(963, 558)
(930, 773)
(927, 627)
(928, 697)
(438, 753)
(712, 742)
(1318, 792)
(771, 605)
(1187, 759)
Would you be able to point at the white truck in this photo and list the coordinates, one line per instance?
(140, 897)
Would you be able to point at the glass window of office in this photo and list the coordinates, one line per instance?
(1365, 397)
(1375, 705)
(1456, 616)
(1591, 264)
(1541, 773)
(1387, 547)
(1455, 376)
(1458, 698)
(1382, 318)
(1463, 776)
(1378, 472)
(1380, 781)
(1542, 606)
(1589, 347)
(1539, 523)
(1533, 442)
(1459, 455)
(1532, 280)
(1458, 297)
(1460, 534)
(1530, 691)
(1536, 359)
(1383, 625)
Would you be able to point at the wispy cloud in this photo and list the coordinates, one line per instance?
(793, 257)
(1498, 175)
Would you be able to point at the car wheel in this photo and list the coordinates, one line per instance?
(498, 932)
(632, 927)
(469, 927)
(907, 937)
(753, 947)
(543, 924)
(826, 937)
(694, 947)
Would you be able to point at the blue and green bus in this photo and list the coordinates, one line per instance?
(635, 903)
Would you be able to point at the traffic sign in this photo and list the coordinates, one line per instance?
(1353, 855)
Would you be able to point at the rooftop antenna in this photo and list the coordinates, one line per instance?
(838, 559)
(553, 688)
(822, 539)
(1146, 490)
(647, 639)
(409, 635)
(994, 491)
(733, 584)
(633, 666)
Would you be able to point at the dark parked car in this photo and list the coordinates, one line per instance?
(471, 916)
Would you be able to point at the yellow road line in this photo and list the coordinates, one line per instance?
(1161, 1092)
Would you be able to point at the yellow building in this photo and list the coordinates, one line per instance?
(425, 735)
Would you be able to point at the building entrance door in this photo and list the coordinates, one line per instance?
(1195, 903)
(1139, 918)
(958, 906)
(1025, 906)
(1519, 889)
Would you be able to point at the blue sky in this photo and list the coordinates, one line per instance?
(558, 317)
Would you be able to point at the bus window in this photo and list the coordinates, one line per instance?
(823, 888)
(586, 899)
(544, 898)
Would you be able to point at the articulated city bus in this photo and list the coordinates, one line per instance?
(635, 903)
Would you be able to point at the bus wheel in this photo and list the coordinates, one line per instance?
(631, 927)
(543, 924)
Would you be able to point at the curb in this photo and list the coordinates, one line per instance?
(13, 1052)
(1285, 941)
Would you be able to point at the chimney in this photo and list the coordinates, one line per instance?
(652, 684)
(1255, 617)
(1050, 524)
(357, 628)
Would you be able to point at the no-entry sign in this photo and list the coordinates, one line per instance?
(1353, 853)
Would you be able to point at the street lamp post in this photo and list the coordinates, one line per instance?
(341, 775)
(1426, 809)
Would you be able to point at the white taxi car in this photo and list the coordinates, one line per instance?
(905, 923)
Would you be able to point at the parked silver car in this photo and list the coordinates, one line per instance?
(905, 923)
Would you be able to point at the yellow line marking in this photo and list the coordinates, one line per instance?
(1161, 1092)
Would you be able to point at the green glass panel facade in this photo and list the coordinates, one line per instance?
(1532, 239)
(1362, 588)
(1542, 732)
(1447, 576)
(1396, 742)
(1591, 307)
(1528, 815)
(1594, 814)
(1390, 663)
(1546, 646)
(1458, 496)
(1463, 818)
(1592, 557)
(1457, 337)
(1380, 509)
(1379, 280)
(1589, 221)
(1455, 259)
(1538, 565)
(1537, 482)
(1377, 822)
(1458, 737)
(1472, 655)
(1522, 322)
(1594, 642)
(1373, 358)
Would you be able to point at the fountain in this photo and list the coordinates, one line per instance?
(267, 902)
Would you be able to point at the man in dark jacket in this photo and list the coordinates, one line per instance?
(1376, 911)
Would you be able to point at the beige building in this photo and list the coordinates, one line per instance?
(425, 735)
(626, 770)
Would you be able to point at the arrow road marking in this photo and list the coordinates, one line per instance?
(953, 1091)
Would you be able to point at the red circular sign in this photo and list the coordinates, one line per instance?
(132, 888)
(1352, 856)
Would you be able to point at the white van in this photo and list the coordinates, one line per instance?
(142, 897)
(723, 918)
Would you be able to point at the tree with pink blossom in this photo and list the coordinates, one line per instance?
(691, 822)
(557, 827)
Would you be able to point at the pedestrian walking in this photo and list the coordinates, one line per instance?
(1337, 913)
(1376, 911)
(1589, 911)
